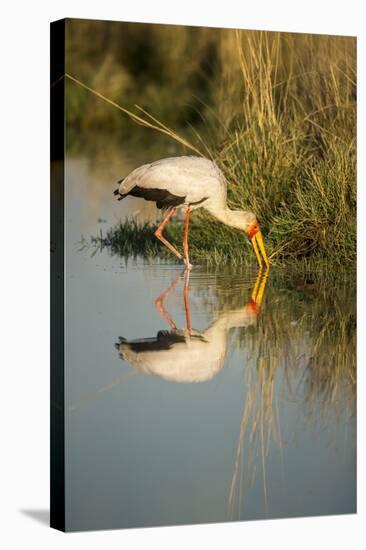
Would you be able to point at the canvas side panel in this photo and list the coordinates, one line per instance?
(57, 484)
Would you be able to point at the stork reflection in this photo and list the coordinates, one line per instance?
(189, 355)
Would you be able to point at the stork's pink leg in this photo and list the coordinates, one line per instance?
(159, 234)
(159, 303)
(185, 241)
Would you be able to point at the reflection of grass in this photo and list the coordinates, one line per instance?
(313, 327)
(299, 359)
(303, 352)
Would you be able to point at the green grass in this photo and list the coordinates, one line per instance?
(211, 244)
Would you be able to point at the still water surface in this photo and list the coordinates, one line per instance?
(225, 396)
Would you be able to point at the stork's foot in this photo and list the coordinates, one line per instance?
(187, 264)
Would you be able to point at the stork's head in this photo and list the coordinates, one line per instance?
(247, 222)
(255, 235)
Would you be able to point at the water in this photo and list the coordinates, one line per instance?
(229, 396)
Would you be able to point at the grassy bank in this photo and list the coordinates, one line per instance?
(292, 157)
(132, 241)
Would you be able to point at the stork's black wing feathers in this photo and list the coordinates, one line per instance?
(162, 197)
(164, 341)
(119, 195)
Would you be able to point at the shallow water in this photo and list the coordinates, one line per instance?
(228, 396)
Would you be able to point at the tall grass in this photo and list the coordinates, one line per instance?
(292, 154)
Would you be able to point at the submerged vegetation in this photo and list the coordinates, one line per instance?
(275, 111)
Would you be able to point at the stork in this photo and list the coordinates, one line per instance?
(188, 355)
(189, 182)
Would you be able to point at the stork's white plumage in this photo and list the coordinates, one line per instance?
(189, 182)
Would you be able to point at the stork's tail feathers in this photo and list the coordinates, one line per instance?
(121, 340)
(117, 193)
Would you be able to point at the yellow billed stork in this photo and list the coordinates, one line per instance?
(189, 182)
